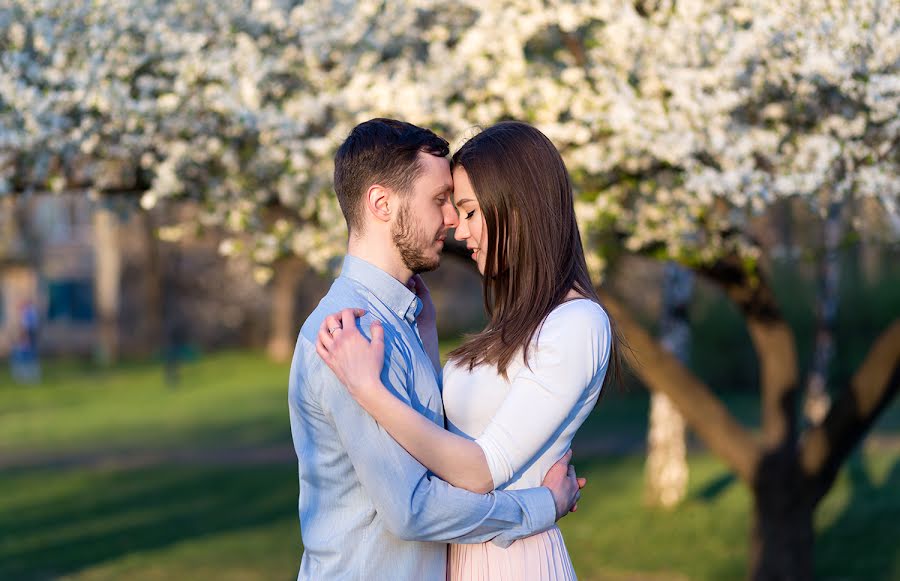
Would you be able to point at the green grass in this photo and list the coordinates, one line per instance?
(155, 523)
(177, 521)
(239, 523)
(228, 399)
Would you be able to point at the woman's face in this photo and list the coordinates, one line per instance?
(471, 227)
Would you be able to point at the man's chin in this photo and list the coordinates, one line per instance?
(427, 266)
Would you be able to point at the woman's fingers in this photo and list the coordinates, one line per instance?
(377, 332)
(582, 482)
(324, 338)
(332, 324)
(348, 319)
(341, 320)
(324, 354)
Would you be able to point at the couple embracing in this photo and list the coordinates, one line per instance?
(411, 472)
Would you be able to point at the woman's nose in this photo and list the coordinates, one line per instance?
(461, 232)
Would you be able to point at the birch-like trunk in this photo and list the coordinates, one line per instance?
(666, 471)
(107, 274)
(870, 258)
(817, 400)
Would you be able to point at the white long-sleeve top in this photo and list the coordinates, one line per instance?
(525, 424)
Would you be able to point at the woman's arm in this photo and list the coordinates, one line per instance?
(572, 347)
(560, 383)
(454, 459)
(357, 362)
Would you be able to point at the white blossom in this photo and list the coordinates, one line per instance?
(676, 125)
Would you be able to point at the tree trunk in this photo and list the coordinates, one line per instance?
(284, 299)
(873, 387)
(107, 270)
(817, 398)
(152, 313)
(666, 471)
(175, 325)
(788, 475)
(782, 537)
(870, 261)
(705, 414)
(773, 340)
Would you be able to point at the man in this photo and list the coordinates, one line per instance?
(368, 510)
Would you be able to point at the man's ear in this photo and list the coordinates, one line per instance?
(379, 202)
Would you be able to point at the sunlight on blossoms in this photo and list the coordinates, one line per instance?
(660, 114)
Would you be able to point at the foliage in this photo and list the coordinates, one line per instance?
(678, 121)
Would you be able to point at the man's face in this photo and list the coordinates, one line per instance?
(425, 215)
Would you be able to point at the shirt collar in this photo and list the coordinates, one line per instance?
(390, 291)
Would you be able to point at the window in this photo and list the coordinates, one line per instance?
(71, 299)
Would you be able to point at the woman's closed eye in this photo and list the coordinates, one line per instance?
(470, 214)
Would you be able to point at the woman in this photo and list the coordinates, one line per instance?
(515, 393)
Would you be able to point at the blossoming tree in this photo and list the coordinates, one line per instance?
(679, 121)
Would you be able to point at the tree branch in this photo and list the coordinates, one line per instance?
(703, 411)
(775, 346)
(876, 382)
(574, 45)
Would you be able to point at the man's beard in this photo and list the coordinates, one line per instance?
(413, 243)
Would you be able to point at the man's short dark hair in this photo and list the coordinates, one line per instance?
(380, 151)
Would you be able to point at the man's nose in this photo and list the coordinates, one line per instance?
(451, 220)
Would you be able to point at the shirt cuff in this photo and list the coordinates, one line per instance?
(540, 507)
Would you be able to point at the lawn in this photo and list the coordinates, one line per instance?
(237, 520)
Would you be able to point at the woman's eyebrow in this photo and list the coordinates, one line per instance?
(462, 201)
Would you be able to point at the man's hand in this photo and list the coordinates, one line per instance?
(564, 485)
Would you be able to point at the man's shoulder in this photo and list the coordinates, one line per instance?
(343, 294)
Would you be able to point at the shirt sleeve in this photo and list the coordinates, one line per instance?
(415, 504)
(571, 348)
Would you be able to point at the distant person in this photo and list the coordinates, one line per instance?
(514, 394)
(368, 509)
(25, 361)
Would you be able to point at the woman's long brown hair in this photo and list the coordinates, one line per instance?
(534, 255)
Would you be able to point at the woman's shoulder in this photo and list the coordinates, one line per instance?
(578, 313)
(577, 322)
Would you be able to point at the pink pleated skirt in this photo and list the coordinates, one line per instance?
(542, 557)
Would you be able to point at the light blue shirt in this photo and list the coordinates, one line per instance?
(369, 510)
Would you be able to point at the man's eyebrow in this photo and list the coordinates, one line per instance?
(444, 189)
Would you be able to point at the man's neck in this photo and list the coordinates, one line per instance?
(379, 253)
